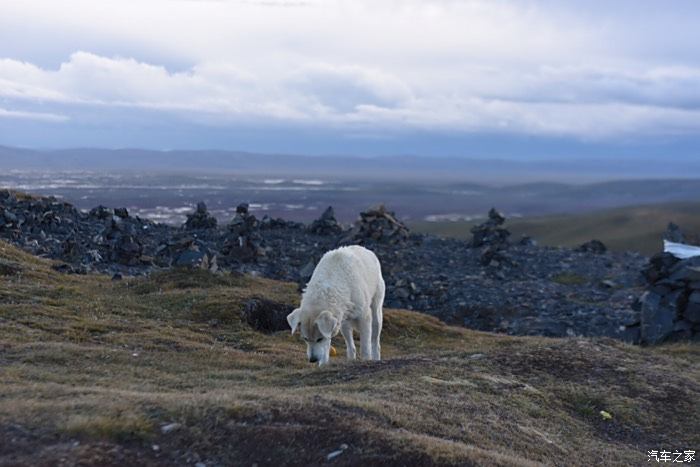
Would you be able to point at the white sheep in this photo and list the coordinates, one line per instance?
(346, 292)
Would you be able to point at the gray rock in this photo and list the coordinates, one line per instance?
(656, 319)
(674, 234)
(121, 213)
(692, 313)
(694, 297)
(169, 428)
(686, 273)
(593, 246)
(266, 315)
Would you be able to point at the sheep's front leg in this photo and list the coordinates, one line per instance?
(346, 331)
(366, 339)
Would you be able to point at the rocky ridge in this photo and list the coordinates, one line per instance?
(486, 282)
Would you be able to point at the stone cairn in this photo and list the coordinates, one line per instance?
(244, 241)
(491, 238)
(670, 307)
(379, 224)
(200, 218)
(120, 236)
(326, 224)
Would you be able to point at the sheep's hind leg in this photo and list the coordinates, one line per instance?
(377, 320)
(366, 339)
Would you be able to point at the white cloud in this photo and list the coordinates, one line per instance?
(42, 116)
(467, 66)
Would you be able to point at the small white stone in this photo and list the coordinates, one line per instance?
(333, 455)
(165, 429)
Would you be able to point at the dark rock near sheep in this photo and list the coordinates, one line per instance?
(266, 316)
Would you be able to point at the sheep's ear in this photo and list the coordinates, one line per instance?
(326, 322)
(293, 319)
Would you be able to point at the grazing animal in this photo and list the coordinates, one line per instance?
(345, 293)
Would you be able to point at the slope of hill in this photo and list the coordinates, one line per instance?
(638, 228)
(163, 371)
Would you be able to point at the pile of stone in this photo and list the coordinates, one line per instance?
(670, 308)
(492, 239)
(243, 242)
(490, 233)
(380, 225)
(326, 224)
(200, 219)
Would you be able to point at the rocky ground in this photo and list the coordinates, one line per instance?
(171, 369)
(488, 282)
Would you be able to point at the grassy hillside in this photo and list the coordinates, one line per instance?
(163, 371)
(638, 228)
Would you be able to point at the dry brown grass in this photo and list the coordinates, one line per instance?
(91, 369)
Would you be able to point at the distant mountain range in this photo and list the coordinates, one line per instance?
(560, 169)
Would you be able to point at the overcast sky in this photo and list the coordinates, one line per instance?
(475, 78)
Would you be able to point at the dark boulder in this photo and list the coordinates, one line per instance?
(101, 212)
(594, 246)
(657, 319)
(266, 316)
(122, 213)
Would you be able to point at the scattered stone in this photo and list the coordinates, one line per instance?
(594, 246)
(497, 287)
